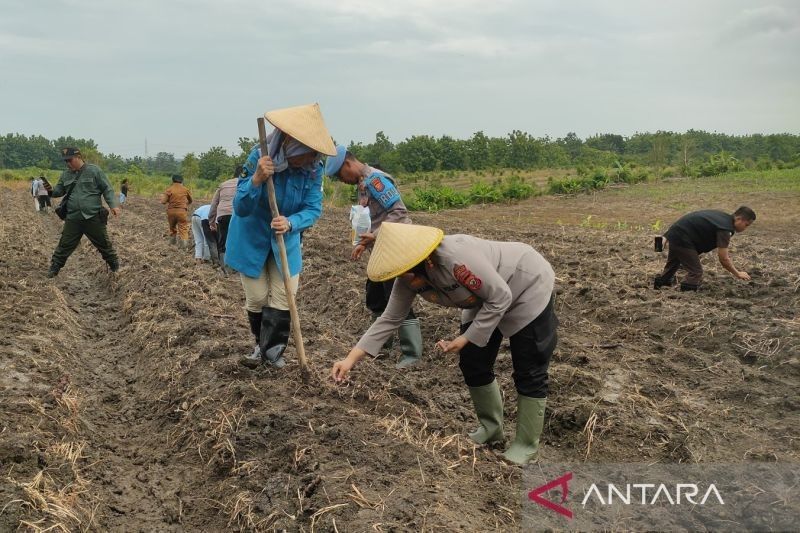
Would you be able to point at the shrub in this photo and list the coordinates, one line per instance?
(515, 188)
(483, 193)
(717, 164)
(568, 185)
(435, 197)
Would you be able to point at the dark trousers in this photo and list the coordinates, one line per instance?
(531, 350)
(71, 236)
(378, 293)
(43, 201)
(222, 232)
(687, 258)
(211, 239)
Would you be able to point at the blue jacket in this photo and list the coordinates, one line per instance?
(250, 237)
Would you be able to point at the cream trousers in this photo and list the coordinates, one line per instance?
(267, 290)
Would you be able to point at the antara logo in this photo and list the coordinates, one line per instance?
(651, 494)
(629, 494)
(563, 482)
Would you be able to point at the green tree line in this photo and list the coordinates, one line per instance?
(423, 153)
(21, 151)
(520, 150)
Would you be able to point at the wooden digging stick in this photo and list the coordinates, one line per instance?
(284, 264)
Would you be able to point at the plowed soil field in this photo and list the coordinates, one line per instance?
(124, 407)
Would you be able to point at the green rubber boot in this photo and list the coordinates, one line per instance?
(410, 343)
(489, 407)
(530, 420)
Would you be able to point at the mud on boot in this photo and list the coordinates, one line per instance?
(275, 328)
(252, 360)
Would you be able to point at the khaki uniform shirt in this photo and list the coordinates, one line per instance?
(499, 285)
(177, 197)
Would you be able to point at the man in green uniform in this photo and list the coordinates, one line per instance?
(84, 183)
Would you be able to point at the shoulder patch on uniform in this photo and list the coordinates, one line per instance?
(382, 189)
(466, 278)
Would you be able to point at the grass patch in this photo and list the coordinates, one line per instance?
(744, 182)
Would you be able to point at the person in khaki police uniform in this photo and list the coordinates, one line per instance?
(219, 216)
(85, 184)
(378, 191)
(505, 289)
(299, 140)
(177, 198)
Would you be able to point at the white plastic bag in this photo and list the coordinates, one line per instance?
(360, 222)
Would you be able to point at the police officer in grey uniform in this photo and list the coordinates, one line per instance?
(505, 289)
(378, 191)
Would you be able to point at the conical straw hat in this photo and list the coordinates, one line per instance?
(304, 123)
(399, 247)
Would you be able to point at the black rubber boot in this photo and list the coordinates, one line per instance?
(689, 287)
(275, 327)
(255, 324)
(253, 359)
(659, 282)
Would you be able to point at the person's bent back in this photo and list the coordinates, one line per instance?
(697, 233)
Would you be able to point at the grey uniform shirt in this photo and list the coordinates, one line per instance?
(499, 285)
(378, 191)
(222, 202)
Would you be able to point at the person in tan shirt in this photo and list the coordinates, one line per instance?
(177, 198)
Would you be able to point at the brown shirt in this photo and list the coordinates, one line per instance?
(177, 197)
(499, 285)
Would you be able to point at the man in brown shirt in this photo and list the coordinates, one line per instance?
(177, 198)
(505, 289)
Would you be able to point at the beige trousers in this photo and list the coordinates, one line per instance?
(267, 290)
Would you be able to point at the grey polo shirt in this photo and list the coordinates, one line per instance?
(498, 285)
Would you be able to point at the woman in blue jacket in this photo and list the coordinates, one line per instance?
(299, 140)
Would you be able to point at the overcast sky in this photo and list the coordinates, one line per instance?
(191, 74)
